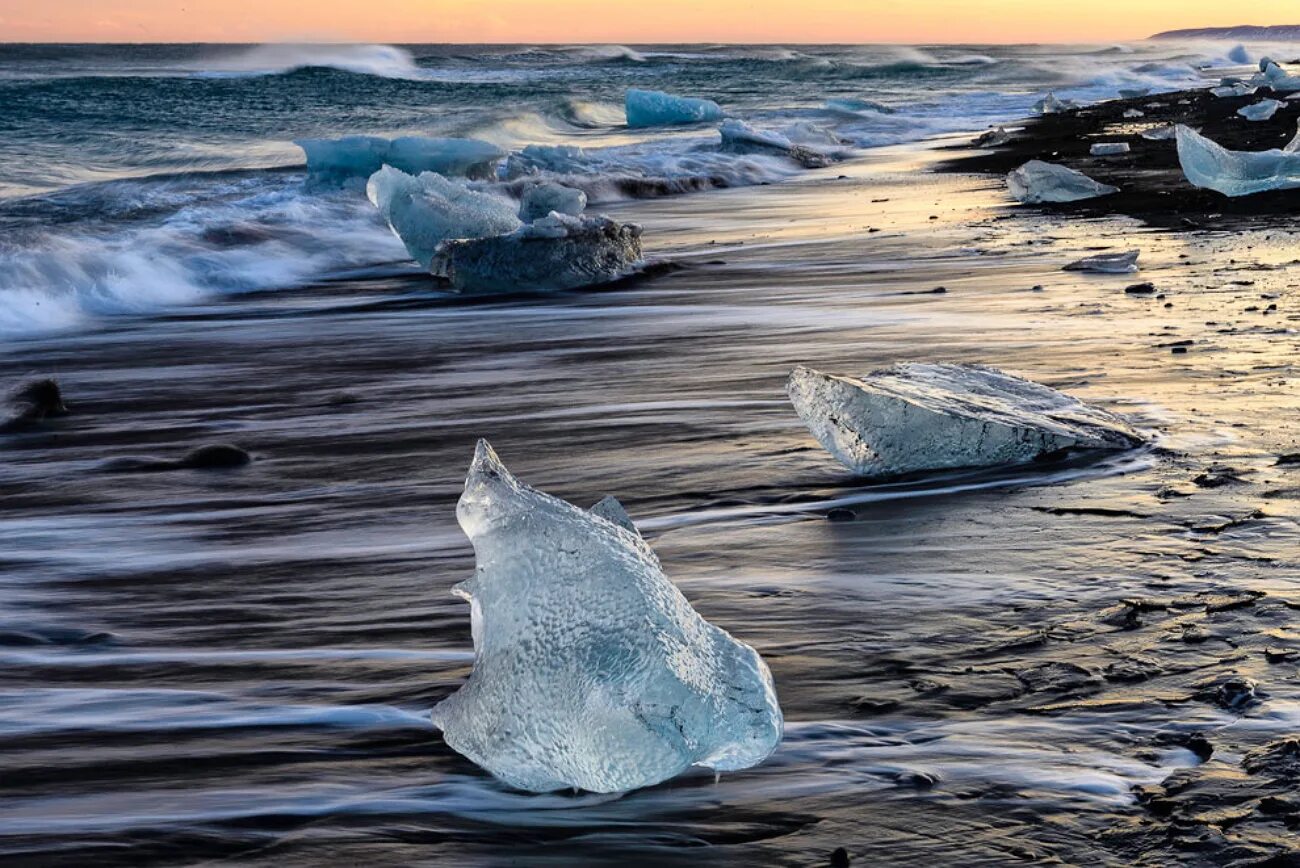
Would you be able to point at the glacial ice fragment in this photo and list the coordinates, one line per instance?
(740, 137)
(1237, 173)
(591, 670)
(555, 252)
(1275, 78)
(1037, 182)
(1260, 111)
(992, 138)
(1159, 134)
(1107, 263)
(1134, 113)
(541, 199)
(1108, 149)
(1239, 88)
(1133, 92)
(653, 108)
(337, 160)
(1239, 54)
(424, 211)
(915, 417)
(1050, 105)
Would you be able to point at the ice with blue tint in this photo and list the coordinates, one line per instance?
(541, 199)
(426, 210)
(1239, 54)
(1273, 76)
(1260, 111)
(552, 253)
(1036, 182)
(857, 106)
(591, 670)
(916, 417)
(338, 160)
(1051, 105)
(1209, 165)
(654, 108)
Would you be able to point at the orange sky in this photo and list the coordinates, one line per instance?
(619, 21)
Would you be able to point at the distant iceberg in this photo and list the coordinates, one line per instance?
(1237, 173)
(337, 160)
(916, 417)
(591, 670)
(1036, 182)
(653, 108)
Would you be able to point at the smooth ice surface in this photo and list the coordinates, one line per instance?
(591, 670)
(1272, 76)
(542, 199)
(1108, 149)
(1260, 111)
(1037, 181)
(1159, 134)
(1107, 263)
(555, 252)
(1134, 113)
(1239, 88)
(424, 211)
(652, 108)
(1237, 173)
(1133, 92)
(362, 156)
(914, 417)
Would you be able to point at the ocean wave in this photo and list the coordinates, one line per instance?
(386, 61)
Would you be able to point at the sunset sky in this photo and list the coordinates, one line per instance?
(571, 21)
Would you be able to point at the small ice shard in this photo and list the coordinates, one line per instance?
(992, 138)
(1108, 149)
(591, 670)
(1237, 173)
(1133, 92)
(555, 252)
(1134, 113)
(425, 211)
(1050, 105)
(337, 160)
(1107, 263)
(915, 417)
(738, 136)
(1239, 54)
(653, 108)
(541, 199)
(848, 106)
(1159, 134)
(1260, 111)
(1037, 182)
(1239, 88)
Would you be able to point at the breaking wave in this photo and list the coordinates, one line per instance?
(386, 61)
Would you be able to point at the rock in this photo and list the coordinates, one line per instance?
(32, 403)
(1107, 263)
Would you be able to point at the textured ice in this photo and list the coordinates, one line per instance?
(1108, 149)
(1272, 76)
(1107, 263)
(1050, 105)
(424, 211)
(1133, 92)
(1237, 173)
(1260, 111)
(1238, 88)
(1134, 113)
(555, 252)
(1036, 182)
(653, 108)
(1159, 134)
(361, 156)
(992, 138)
(542, 199)
(738, 136)
(591, 670)
(916, 417)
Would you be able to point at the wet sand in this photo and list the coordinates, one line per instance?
(1043, 665)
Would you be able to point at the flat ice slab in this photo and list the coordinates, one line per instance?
(1209, 165)
(915, 417)
(1107, 263)
(1260, 111)
(1108, 149)
(1036, 182)
(361, 156)
(591, 670)
(653, 108)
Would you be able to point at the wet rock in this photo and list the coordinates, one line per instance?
(1232, 600)
(1236, 692)
(840, 858)
(1058, 677)
(32, 403)
(1146, 288)
(870, 705)
(1196, 742)
(1217, 477)
(840, 513)
(217, 456)
(1290, 459)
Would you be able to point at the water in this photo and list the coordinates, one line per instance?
(240, 665)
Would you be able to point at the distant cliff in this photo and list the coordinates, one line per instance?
(1273, 33)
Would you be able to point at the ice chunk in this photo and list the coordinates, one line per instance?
(555, 252)
(1237, 173)
(1134, 113)
(542, 199)
(653, 108)
(1133, 92)
(1239, 54)
(424, 211)
(992, 138)
(1260, 111)
(1107, 263)
(1108, 149)
(1239, 88)
(1275, 77)
(857, 106)
(1159, 134)
(1050, 105)
(361, 156)
(740, 137)
(916, 417)
(1036, 182)
(591, 670)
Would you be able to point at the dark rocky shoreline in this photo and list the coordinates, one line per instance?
(1151, 183)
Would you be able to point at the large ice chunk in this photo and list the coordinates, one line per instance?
(653, 108)
(555, 252)
(424, 211)
(1272, 76)
(1036, 182)
(337, 160)
(915, 417)
(1260, 111)
(1237, 173)
(591, 670)
(541, 199)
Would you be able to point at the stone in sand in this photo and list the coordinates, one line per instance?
(32, 403)
(1036, 182)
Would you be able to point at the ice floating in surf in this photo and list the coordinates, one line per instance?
(1036, 182)
(740, 137)
(1260, 111)
(427, 210)
(1237, 173)
(337, 160)
(541, 199)
(1107, 263)
(556, 252)
(653, 108)
(1108, 149)
(857, 106)
(916, 417)
(591, 670)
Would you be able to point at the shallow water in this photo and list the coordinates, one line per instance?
(241, 664)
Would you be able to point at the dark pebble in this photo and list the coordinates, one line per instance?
(840, 858)
(841, 513)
